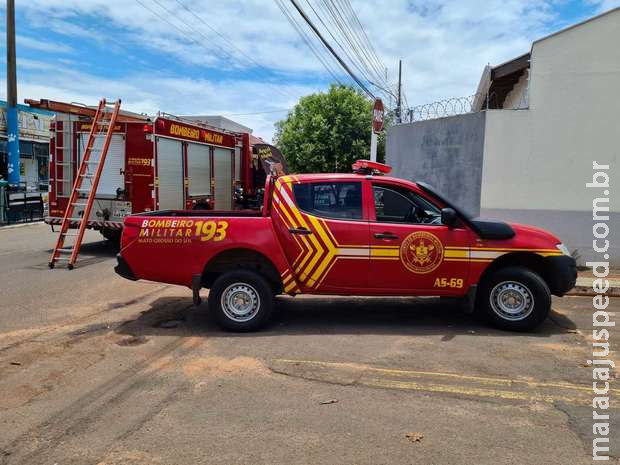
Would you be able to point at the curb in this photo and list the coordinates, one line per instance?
(583, 290)
(20, 225)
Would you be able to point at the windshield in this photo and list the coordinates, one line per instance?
(435, 193)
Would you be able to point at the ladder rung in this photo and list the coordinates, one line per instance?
(66, 233)
(79, 203)
(87, 175)
(62, 258)
(64, 163)
(91, 162)
(83, 190)
(61, 147)
(64, 250)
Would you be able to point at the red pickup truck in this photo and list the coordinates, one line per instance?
(349, 234)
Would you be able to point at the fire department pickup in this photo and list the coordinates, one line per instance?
(349, 234)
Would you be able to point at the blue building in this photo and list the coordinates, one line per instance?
(34, 136)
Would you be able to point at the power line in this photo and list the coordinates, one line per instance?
(187, 35)
(306, 39)
(335, 39)
(223, 37)
(346, 32)
(360, 55)
(331, 50)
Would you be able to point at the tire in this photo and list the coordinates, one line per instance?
(112, 235)
(514, 299)
(253, 295)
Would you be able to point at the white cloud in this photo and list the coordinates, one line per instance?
(42, 45)
(444, 45)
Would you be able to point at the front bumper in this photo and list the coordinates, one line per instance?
(561, 274)
(122, 269)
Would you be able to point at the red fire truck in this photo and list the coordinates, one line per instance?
(159, 163)
(349, 234)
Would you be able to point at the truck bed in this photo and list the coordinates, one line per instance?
(204, 213)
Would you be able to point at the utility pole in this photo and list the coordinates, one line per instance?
(398, 104)
(11, 93)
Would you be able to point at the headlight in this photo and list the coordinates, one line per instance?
(562, 248)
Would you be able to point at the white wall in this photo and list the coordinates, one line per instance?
(541, 158)
(537, 161)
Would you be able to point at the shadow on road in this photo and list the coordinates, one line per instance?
(332, 315)
(90, 253)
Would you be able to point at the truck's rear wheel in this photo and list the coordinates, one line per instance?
(241, 300)
(515, 299)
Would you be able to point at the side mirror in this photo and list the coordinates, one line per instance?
(449, 217)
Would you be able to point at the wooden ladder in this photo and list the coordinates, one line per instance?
(85, 186)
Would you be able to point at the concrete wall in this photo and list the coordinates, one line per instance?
(537, 162)
(445, 152)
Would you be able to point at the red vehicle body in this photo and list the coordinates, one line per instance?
(349, 234)
(158, 163)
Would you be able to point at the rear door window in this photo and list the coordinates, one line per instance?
(342, 200)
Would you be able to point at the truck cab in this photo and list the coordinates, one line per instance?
(361, 233)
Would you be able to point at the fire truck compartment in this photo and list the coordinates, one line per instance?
(223, 166)
(170, 173)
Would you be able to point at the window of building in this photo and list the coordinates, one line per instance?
(341, 200)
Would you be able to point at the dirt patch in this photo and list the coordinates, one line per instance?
(219, 367)
(130, 457)
(132, 341)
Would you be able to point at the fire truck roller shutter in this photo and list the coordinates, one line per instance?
(198, 169)
(222, 161)
(112, 176)
(170, 174)
(237, 164)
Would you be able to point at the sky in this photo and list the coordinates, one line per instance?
(244, 60)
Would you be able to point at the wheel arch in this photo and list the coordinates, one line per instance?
(241, 259)
(530, 260)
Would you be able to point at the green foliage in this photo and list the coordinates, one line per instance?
(327, 132)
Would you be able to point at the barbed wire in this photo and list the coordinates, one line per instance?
(461, 105)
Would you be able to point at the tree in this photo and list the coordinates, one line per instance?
(327, 132)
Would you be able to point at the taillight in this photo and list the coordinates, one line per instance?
(131, 230)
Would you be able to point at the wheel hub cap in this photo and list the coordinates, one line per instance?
(240, 302)
(512, 301)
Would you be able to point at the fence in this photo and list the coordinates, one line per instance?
(460, 105)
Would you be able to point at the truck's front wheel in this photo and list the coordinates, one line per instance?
(515, 299)
(241, 300)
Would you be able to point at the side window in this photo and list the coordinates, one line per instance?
(341, 200)
(397, 205)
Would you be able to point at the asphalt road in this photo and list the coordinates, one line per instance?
(95, 369)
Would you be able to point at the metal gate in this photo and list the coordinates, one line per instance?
(113, 173)
(223, 167)
(170, 174)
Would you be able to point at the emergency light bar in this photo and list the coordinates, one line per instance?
(370, 167)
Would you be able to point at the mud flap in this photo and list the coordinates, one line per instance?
(196, 286)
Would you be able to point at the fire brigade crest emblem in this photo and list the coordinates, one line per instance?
(421, 252)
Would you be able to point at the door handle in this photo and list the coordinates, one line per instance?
(299, 231)
(386, 235)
